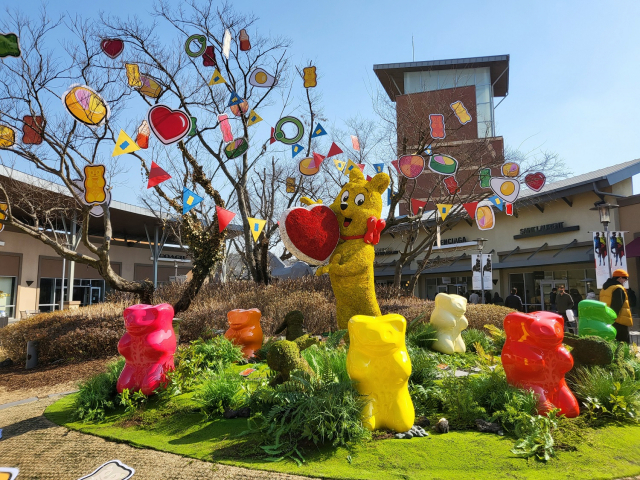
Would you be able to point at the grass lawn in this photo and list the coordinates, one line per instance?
(608, 452)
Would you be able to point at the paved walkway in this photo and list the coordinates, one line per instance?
(43, 450)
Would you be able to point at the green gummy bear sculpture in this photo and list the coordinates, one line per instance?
(284, 357)
(294, 324)
(595, 318)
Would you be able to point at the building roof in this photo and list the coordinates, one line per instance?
(391, 75)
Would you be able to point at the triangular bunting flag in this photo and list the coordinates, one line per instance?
(471, 208)
(355, 142)
(395, 164)
(498, 202)
(318, 131)
(217, 78)
(256, 227)
(417, 205)
(339, 164)
(189, 200)
(334, 150)
(157, 175)
(224, 217)
(272, 139)
(509, 209)
(379, 167)
(361, 166)
(235, 99)
(317, 160)
(253, 118)
(443, 209)
(350, 165)
(369, 178)
(124, 144)
(296, 149)
(388, 196)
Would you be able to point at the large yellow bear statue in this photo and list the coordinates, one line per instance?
(379, 363)
(358, 207)
(448, 318)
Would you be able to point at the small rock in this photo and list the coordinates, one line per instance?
(244, 412)
(6, 363)
(442, 426)
(230, 413)
(408, 434)
(461, 373)
(400, 436)
(484, 426)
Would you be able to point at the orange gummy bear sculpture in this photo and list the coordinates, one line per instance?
(94, 183)
(245, 330)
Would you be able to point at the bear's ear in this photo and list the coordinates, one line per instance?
(356, 175)
(399, 324)
(380, 182)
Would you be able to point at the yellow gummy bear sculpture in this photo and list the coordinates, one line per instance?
(94, 183)
(449, 320)
(350, 267)
(378, 361)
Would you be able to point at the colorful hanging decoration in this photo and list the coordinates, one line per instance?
(535, 181)
(225, 127)
(9, 45)
(245, 43)
(234, 99)
(272, 138)
(142, 139)
(32, 129)
(506, 188)
(86, 105)
(411, 166)
(133, 74)
(291, 185)
(308, 167)
(240, 109)
(339, 164)
(189, 200)
(350, 166)
(226, 43)
(194, 127)
(416, 205)
(470, 207)
(224, 217)
(369, 178)
(7, 136)
(260, 78)
(395, 164)
(379, 167)
(311, 233)
(209, 57)
(168, 125)
(217, 78)
(485, 177)
(111, 47)
(485, 219)
(201, 40)
(317, 160)
(114, 469)
(510, 169)
(150, 86)
(257, 226)
(310, 78)
(253, 118)
(296, 149)
(443, 164)
(318, 131)
(497, 202)
(236, 148)
(436, 124)
(461, 112)
(157, 175)
(3, 214)
(94, 184)
(355, 142)
(334, 150)
(508, 208)
(124, 144)
(281, 136)
(452, 185)
(443, 210)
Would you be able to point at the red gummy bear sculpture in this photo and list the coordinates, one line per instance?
(534, 358)
(148, 347)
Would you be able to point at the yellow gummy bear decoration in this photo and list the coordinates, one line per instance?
(350, 267)
(94, 183)
(379, 363)
(449, 320)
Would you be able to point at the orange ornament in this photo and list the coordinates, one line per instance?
(244, 330)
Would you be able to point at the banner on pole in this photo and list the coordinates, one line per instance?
(617, 256)
(481, 265)
(608, 251)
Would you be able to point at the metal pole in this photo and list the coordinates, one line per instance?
(155, 258)
(72, 264)
(606, 236)
(481, 276)
(64, 264)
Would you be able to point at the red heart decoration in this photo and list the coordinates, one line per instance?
(112, 47)
(310, 233)
(535, 181)
(168, 125)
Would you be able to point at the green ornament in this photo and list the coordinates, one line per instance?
(595, 318)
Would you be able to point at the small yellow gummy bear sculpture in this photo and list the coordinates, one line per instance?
(358, 207)
(379, 362)
(94, 183)
(448, 318)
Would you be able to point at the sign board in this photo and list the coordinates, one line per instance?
(608, 250)
(481, 265)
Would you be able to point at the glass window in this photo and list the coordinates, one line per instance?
(446, 79)
(483, 94)
(412, 82)
(465, 77)
(483, 76)
(8, 296)
(429, 81)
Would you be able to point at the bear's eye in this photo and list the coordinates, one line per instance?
(359, 199)
(345, 196)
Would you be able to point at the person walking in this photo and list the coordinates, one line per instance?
(497, 299)
(514, 301)
(552, 299)
(564, 302)
(615, 296)
(474, 298)
(487, 297)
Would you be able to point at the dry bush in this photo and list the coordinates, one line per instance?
(481, 315)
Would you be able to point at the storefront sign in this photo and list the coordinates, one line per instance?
(548, 229)
(385, 251)
(452, 241)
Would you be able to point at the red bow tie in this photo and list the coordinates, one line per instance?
(374, 229)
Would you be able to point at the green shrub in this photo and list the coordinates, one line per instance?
(471, 336)
(132, 401)
(536, 436)
(97, 395)
(219, 392)
(423, 367)
(422, 335)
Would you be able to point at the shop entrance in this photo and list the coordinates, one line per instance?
(456, 288)
(545, 291)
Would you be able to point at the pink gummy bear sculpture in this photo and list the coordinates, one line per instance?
(148, 347)
(534, 358)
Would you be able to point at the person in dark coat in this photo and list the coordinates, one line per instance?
(552, 300)
(497, 299)
(514, 301)
(577, 298)
(487, 297)
(615, 296)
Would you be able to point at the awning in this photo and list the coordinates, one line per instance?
(633, 248)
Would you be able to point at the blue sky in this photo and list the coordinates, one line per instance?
(573, 74)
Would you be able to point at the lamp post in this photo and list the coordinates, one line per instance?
(480, 242)
(604, 209)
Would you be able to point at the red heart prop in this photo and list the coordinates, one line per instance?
(112, 47)
(535, 181)
(168, 125)
(310, 233)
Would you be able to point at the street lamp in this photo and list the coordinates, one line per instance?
(480, 242)
(604, 209)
